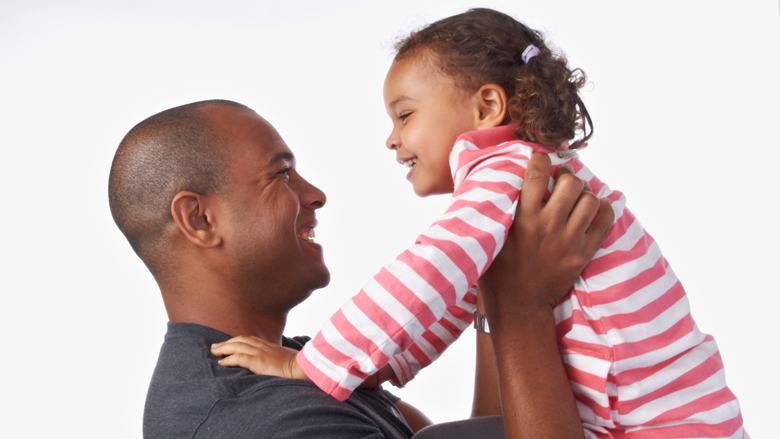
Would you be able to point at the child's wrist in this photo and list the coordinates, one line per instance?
(296, 372)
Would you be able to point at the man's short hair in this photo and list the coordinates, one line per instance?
(174, 150)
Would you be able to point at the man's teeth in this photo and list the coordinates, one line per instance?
(308, 235)
(410, 163)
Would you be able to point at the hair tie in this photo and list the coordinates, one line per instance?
(530, 52)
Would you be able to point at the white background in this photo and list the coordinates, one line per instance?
(684, 97)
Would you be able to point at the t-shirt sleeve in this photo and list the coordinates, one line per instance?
(412, 293)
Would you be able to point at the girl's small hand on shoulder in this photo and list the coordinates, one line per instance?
(259, 356)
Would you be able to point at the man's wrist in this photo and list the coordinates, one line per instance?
(481, 323)
(527, 321)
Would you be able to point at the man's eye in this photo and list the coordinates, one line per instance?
(284, 171)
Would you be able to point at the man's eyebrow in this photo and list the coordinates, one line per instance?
(280, 156)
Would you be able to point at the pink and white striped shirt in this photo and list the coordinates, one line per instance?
(639, 366)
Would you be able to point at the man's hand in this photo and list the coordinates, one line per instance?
(549, 243)
(548, 246)
(259, 356)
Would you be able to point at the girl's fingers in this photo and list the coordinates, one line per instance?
(240, 360)
(245, 339)
(229, 348)
(248, 339)
(259, 356)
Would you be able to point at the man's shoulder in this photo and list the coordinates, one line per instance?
(192, 396)
(187, 382)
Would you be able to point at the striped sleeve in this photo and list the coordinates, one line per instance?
(435, 340)
(411, 294)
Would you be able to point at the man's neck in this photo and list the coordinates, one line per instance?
(218, 308)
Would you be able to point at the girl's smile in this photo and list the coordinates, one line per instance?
(429, 112)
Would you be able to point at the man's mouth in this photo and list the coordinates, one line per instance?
(306, 234)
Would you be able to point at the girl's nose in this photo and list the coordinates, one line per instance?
(392, 142)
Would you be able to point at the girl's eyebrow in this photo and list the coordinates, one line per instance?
(399, 99)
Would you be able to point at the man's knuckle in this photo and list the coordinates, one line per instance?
(535, 175)
(570, 180)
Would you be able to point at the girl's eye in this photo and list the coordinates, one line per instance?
(404, 116)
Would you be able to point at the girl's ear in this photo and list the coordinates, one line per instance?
(492, 104)
(196, 217)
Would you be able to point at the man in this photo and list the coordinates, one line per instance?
(208, 196)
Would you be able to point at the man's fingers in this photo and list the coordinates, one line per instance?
(564, 168)
(537, 175)
(584, 211)
(565, 195)
(599, 230)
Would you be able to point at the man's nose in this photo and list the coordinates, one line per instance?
(311, 196)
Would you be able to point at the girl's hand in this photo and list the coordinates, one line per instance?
(259, 356)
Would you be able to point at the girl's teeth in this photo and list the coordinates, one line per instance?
(410, 163)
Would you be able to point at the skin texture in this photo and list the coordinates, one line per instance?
(242, 262)
(429, 112)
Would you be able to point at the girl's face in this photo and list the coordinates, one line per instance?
(429, 112)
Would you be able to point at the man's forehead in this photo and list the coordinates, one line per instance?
(268, 147)
(250, 135)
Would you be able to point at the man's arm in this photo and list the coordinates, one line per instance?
(486, 400)
(548, 246)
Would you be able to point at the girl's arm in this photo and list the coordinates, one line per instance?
(399, 304)
(434, 341)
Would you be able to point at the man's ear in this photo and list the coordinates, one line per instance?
(492, 104)
(196, 217)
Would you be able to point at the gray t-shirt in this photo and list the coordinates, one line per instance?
(191, 396)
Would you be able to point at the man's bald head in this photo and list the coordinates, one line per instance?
(175, 150)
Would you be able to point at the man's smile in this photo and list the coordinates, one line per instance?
(306, 231)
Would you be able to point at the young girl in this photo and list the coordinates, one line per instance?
(488, 85)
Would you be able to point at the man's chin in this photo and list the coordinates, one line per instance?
(314, 283)
(324, 278)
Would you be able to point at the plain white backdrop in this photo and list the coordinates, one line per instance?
(684, 97)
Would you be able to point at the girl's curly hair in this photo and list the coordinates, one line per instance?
(484, 46)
